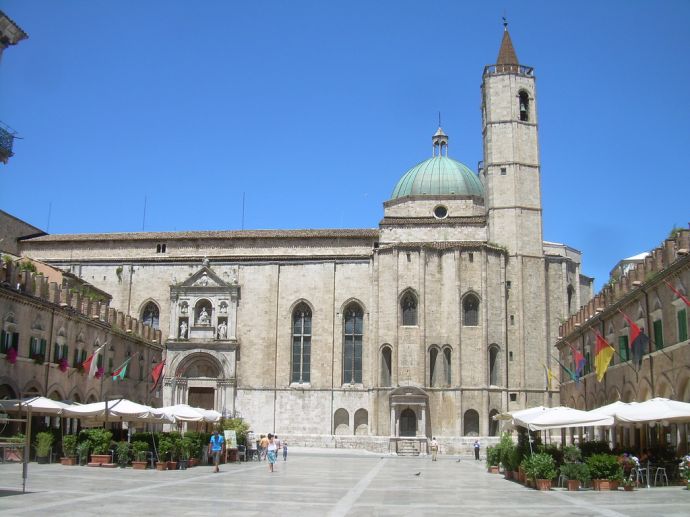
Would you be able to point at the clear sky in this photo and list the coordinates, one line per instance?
(314, 110)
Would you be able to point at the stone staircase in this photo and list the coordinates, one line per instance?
(408, 448)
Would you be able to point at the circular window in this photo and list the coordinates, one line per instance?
(440, 212)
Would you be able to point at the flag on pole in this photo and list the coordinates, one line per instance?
(639, 341)
(90, 366)
(578, 360)
(550, 376)
(570, 373)
(156, 374)
(678, 294)
(603, 352)
(120, 373)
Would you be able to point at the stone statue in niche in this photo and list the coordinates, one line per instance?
(184, 308)
(222, 330)
(204, 318)
(183, 330)
(223, 308)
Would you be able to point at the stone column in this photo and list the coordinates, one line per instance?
(422, 426)
(173, 330)
(393, 422)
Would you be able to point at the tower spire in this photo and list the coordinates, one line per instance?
(506, 54)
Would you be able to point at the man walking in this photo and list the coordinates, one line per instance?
(434, 448)
(476, 450)
(215, 448)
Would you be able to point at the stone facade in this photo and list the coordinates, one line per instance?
(53, 330)
(427, 325)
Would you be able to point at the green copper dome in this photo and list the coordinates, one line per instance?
(439, 176)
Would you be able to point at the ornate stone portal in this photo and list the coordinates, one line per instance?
(202, 345)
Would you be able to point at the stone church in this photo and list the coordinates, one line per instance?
(426, 326)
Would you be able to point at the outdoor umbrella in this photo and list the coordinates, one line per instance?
(655, 410)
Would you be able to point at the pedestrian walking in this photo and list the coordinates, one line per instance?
(476, 450)
(434, 448)
(263, 447)
(216, 446)
(271, 455)
(284, 451)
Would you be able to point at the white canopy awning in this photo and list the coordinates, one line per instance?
(39, 405)
(562, 417)
(518, 413)
(655, 410)
(120, 409)
(186, 413)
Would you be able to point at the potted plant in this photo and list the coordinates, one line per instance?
(122, 452)
(140, 449)
(69, 448)
(43, 443)
(577, 474)
(164, 447)
(83, 452)
(604, 468)
(628, 484)
(542, 469)
(186, 450)
(99, 443)
(493, 458)
(571, 454)
(175, 439)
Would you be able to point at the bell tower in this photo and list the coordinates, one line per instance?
(511, 172)
(512, 184)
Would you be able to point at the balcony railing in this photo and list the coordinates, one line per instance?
(509, 69)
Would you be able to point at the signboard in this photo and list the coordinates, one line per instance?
(230, 436)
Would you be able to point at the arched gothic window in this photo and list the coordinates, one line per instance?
(408, 305)
(301, 343)
(353, 333)
(571, 293)
(386, 366)
(150, 315)
(471, 423)
(470, 311)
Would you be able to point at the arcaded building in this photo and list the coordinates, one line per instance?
(427, 325)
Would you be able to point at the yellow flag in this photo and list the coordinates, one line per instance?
(602, 359)
(550, 376)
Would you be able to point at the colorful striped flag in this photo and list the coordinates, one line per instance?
(578, 360)
(570, 373)
(156, 374)
(90, 366)
(120, 373)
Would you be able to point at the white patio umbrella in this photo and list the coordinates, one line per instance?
(655, 410)
(562, 417)
(117, 410)
(611, 409)
(512, 415)
(180, 413)
(39, 405)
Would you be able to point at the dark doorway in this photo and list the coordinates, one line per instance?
(201, 397)
(408, 423)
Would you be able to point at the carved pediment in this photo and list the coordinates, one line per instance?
(205, 280)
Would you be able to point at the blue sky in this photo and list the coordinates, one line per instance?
(313, 111)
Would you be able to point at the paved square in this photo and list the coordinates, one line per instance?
(313, 483)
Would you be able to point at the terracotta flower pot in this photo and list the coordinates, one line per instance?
(628, 488)
(100, 458)
(161, 465)
(602, 484)
(544, 484)
(508, 474)
(493, 469)
(613, 485)
(71, 460)
(573, 485)
(139, 465)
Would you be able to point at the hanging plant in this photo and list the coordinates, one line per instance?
(11, 355)
(63, 365)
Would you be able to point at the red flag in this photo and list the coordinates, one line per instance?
(578, 360)
(638, 340)
(678, 294)
(90, 365)
(157, 373)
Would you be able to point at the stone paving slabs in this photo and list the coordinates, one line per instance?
(321, 483)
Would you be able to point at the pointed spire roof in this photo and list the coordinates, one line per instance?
(507, 55)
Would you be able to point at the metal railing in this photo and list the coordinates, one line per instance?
(509, 69)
